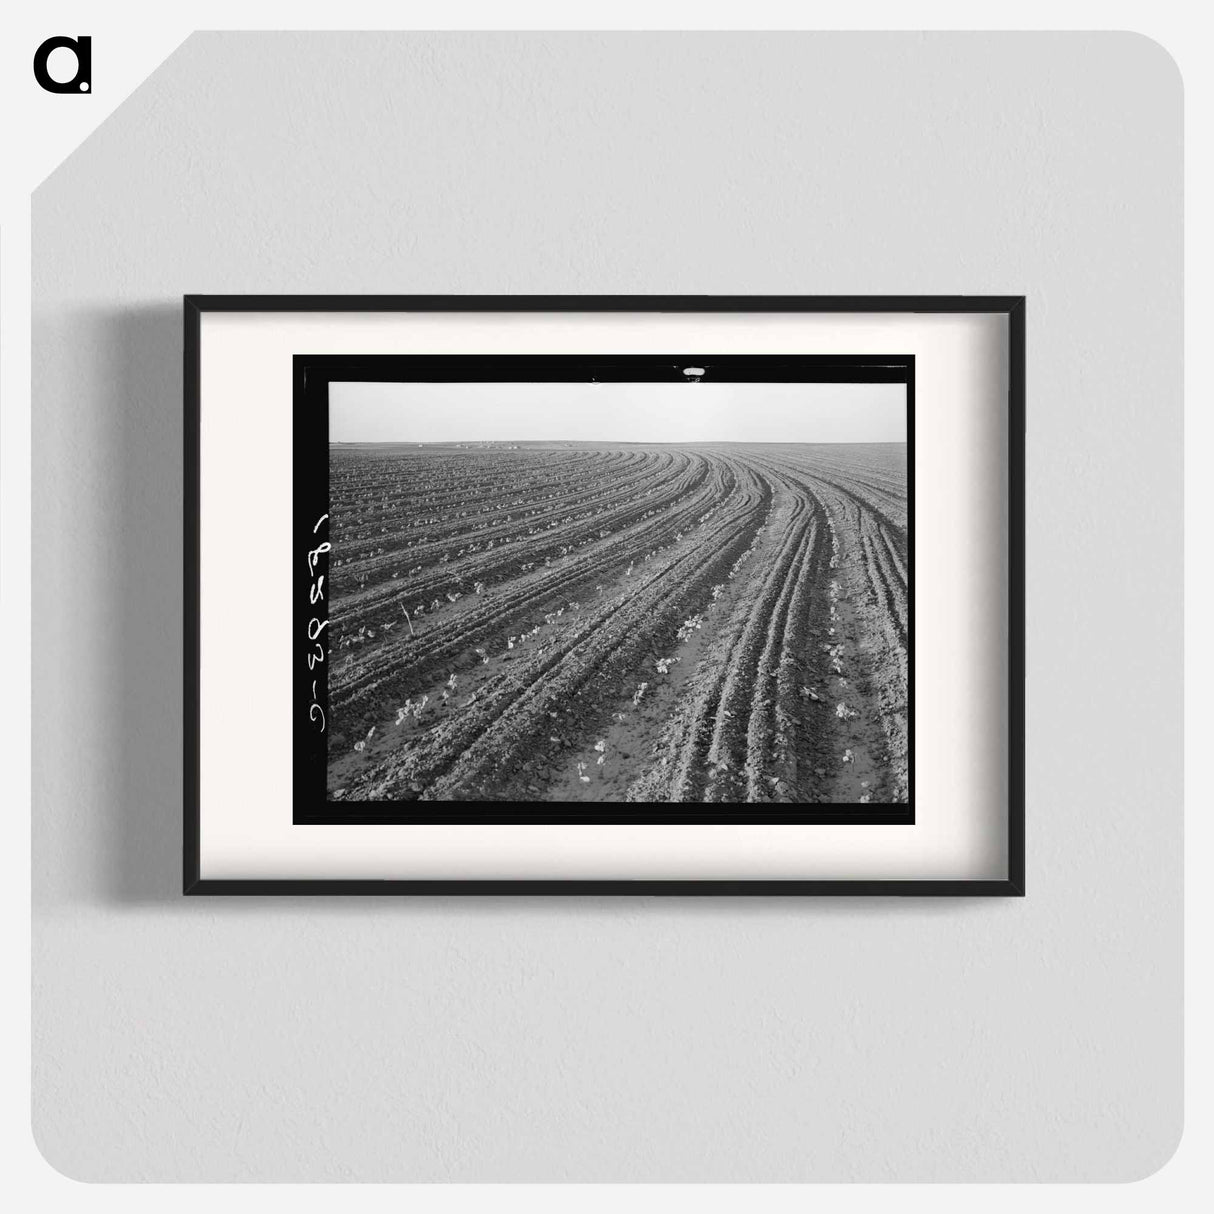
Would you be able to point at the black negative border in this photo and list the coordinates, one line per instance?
(312, 376)
(1011, 306)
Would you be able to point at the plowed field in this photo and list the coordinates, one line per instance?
(532, 622)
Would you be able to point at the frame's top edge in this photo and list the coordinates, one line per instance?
(604, 303)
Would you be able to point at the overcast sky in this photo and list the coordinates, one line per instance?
(636, 413)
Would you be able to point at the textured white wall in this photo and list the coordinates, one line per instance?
(630, 1039)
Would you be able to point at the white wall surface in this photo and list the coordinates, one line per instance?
(628, 1039)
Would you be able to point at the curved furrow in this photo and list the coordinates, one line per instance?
(701, 752)
(895, 542)
(557, 543)
(588, 488)
(616, 501)
(498, 609)
(494, 613)
(515, 713)
(419, 658)
(888, 587)
(417, 482)
(426, 537)
(878, 606)
(734, 764)
(604, 656)
(770, 766)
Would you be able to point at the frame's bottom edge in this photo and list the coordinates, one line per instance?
(1007, 888)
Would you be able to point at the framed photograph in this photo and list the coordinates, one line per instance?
(604, 595)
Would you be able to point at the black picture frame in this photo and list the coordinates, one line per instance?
(327, 367)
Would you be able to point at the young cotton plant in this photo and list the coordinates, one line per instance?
(689, 626)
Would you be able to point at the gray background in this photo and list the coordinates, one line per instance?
(1034, 1039)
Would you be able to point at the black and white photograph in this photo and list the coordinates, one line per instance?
(681, 581)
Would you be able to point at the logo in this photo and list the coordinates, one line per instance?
(82, 81)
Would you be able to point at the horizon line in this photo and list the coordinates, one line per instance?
(638, 442)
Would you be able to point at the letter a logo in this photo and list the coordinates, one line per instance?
(82, 81)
